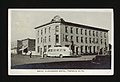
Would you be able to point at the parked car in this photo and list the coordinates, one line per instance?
(58, 52)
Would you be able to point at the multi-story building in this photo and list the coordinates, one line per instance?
(81, 39)
(28, 44)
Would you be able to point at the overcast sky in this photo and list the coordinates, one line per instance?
(23, 22)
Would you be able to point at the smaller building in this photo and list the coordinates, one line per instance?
(25, 45)
(14, 50)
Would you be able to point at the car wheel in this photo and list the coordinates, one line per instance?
(61, 56)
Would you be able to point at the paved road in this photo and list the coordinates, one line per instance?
(19, 59)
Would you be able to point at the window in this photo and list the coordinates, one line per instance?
(90, 40)
(76, 30)
(66, 38)
(71, 29)
(96, 40)
(63, 37)
(98, 48)
(38, 40)
(49, 46)
(38, 33)
(89, 32)
(85, 49)
(71, 38)
(57, 38)
(85, 32)
(45, 48)
(81, 49)
(93, 40)
(101, 41)
(38, 49)
(81, 31)
(86, 39)
(94, 48)
(49, 29)
(105, 41)
(90, 49)
(60, 49)
(48, 50)
(66, 29)
(93, 33)
(66, 45)
(45, 30)
(41, 39)
(49, 38)
(104, 35)
(77, 39)
(57, 28)
(101, 34)
(81, 39)
(57, 49)
(45, 39)
(41, 32)
(64, 49)
(97, 34)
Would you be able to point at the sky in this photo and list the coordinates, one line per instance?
(24, 21)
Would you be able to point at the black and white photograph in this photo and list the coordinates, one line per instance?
(60, 41)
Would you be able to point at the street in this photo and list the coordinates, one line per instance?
(36, 62)
(19, 59)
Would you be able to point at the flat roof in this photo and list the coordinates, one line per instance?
(74, 24)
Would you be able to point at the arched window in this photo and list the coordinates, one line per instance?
(85, 32)
(57, 28)
(71, 29)
(49, 29)
(77, 39)
(76, 30)
(66, 29)
(49, 39)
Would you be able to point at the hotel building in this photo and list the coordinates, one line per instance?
(81, 39)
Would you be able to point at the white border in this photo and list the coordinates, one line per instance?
(61, 71)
